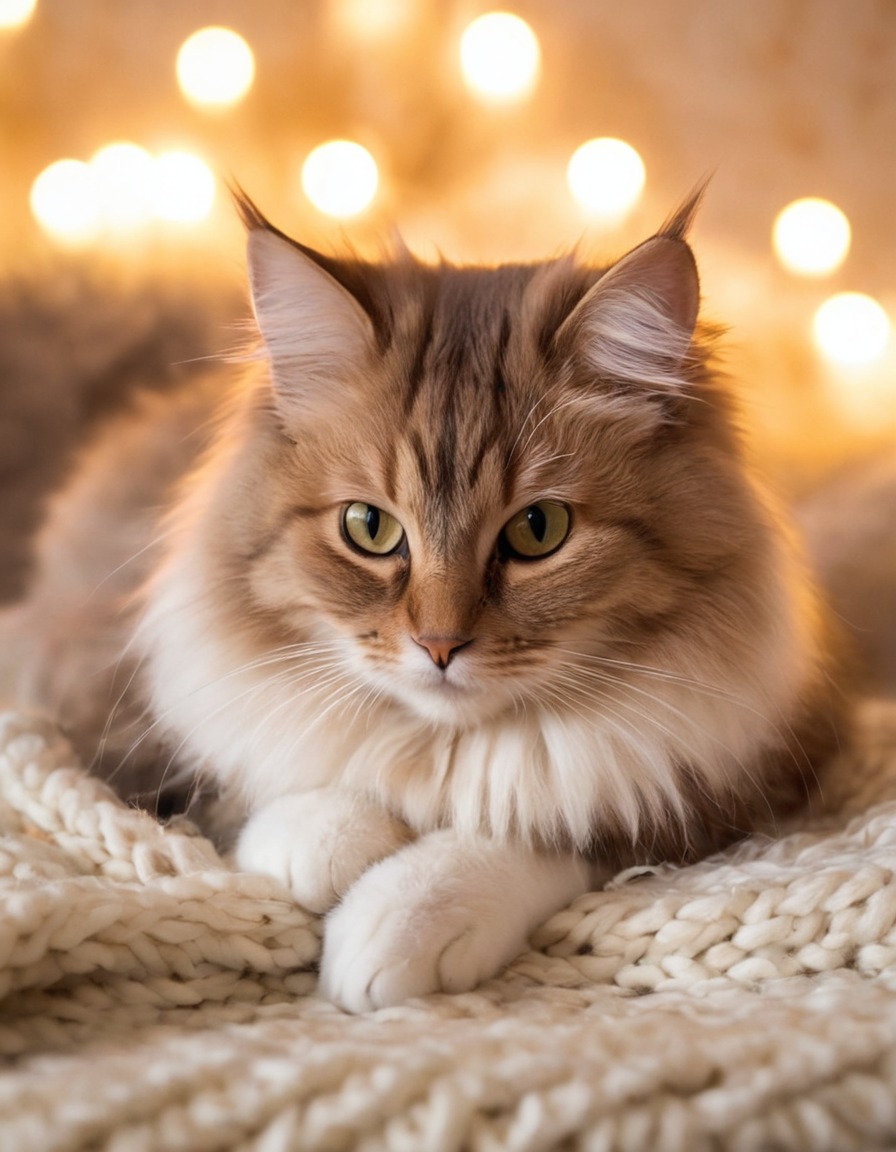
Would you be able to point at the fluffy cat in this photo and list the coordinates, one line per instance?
(469, 600)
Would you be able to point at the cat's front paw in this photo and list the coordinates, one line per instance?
(318, 843)
(378, 953)
(439, 916)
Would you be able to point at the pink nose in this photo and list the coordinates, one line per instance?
(441, 648)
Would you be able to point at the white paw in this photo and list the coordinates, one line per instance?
(439, 916)
(318, 843)
(379, 951)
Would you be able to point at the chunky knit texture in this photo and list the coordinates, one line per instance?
(153, 998)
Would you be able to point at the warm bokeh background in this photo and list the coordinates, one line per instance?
(779, 99)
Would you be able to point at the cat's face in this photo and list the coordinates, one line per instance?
(482, 481)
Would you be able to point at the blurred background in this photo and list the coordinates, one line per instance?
(488, 134)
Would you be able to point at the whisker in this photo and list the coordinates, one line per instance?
(130, 560)
(558, 407)
(283, 677)
(649, 670)
(289, 653)
(541, 399)
(588, 691)
(677, 738)
(781, 730)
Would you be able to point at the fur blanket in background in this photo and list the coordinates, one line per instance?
(76, 344)
(153, 998)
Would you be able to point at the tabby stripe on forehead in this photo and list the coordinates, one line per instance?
(419, 451)
(499, 388)
(446, 451)
(390, 464)
(489, 439)
(509, 470)
(499, 383)
(416, 371)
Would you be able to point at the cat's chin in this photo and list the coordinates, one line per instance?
(459, 706)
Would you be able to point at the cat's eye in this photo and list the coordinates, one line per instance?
(371, 529)
(536, 531)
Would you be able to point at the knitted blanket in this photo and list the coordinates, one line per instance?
(153, 998)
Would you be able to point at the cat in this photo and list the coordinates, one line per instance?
(458, 599)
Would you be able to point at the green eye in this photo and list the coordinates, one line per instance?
(536, 531)
(371, 529)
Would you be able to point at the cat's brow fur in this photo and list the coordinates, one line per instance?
(646, 692)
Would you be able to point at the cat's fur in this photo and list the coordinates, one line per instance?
(442, 746)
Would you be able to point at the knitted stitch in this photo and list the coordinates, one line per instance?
(153, 998)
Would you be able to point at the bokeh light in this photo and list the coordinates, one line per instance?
(500, 57)
(851, 329)
(124, 175)
(374, 19)
(16, 13)
(65, 203)
(606, 176)
(121, 191)
(811, 237)
(340, 178)
(184, 187)
(215, 68)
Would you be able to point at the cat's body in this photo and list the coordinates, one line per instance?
(471, 600)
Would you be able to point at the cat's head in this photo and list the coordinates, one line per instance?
(474, 479)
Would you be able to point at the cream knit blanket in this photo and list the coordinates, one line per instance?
(152, 998)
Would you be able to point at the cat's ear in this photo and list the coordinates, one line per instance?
(317, 336)
(636, 324)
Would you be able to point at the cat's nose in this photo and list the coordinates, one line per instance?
(442, 648)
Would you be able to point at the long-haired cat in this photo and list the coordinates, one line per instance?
(469, 600)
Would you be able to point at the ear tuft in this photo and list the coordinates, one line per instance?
(679, 224)
(248, 211)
